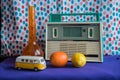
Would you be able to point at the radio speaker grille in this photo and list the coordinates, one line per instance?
(90, 49)
(71, 48)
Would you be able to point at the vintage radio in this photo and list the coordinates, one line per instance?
(72, 37)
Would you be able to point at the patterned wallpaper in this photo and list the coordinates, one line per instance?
(14, 31)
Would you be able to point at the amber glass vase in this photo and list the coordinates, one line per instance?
(32, 48)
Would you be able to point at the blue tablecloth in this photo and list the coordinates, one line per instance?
(108, 70)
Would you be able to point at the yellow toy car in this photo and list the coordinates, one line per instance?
(30, 62)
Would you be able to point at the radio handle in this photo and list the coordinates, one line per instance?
(58, 17)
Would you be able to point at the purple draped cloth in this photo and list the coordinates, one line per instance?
(108, 70)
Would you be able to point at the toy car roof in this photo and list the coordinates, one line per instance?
(29, 57)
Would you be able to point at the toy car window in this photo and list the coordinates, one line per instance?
(35, 61)
(31, 61)
(26, 60)
(42, 60)
(22, 60)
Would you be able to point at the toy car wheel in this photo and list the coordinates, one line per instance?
(19, 68)
(36, 69)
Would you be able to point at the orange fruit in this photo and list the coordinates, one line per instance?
(59, 59)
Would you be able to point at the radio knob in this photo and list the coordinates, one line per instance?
(84, 30)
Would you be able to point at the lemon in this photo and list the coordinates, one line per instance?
(78, 60)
